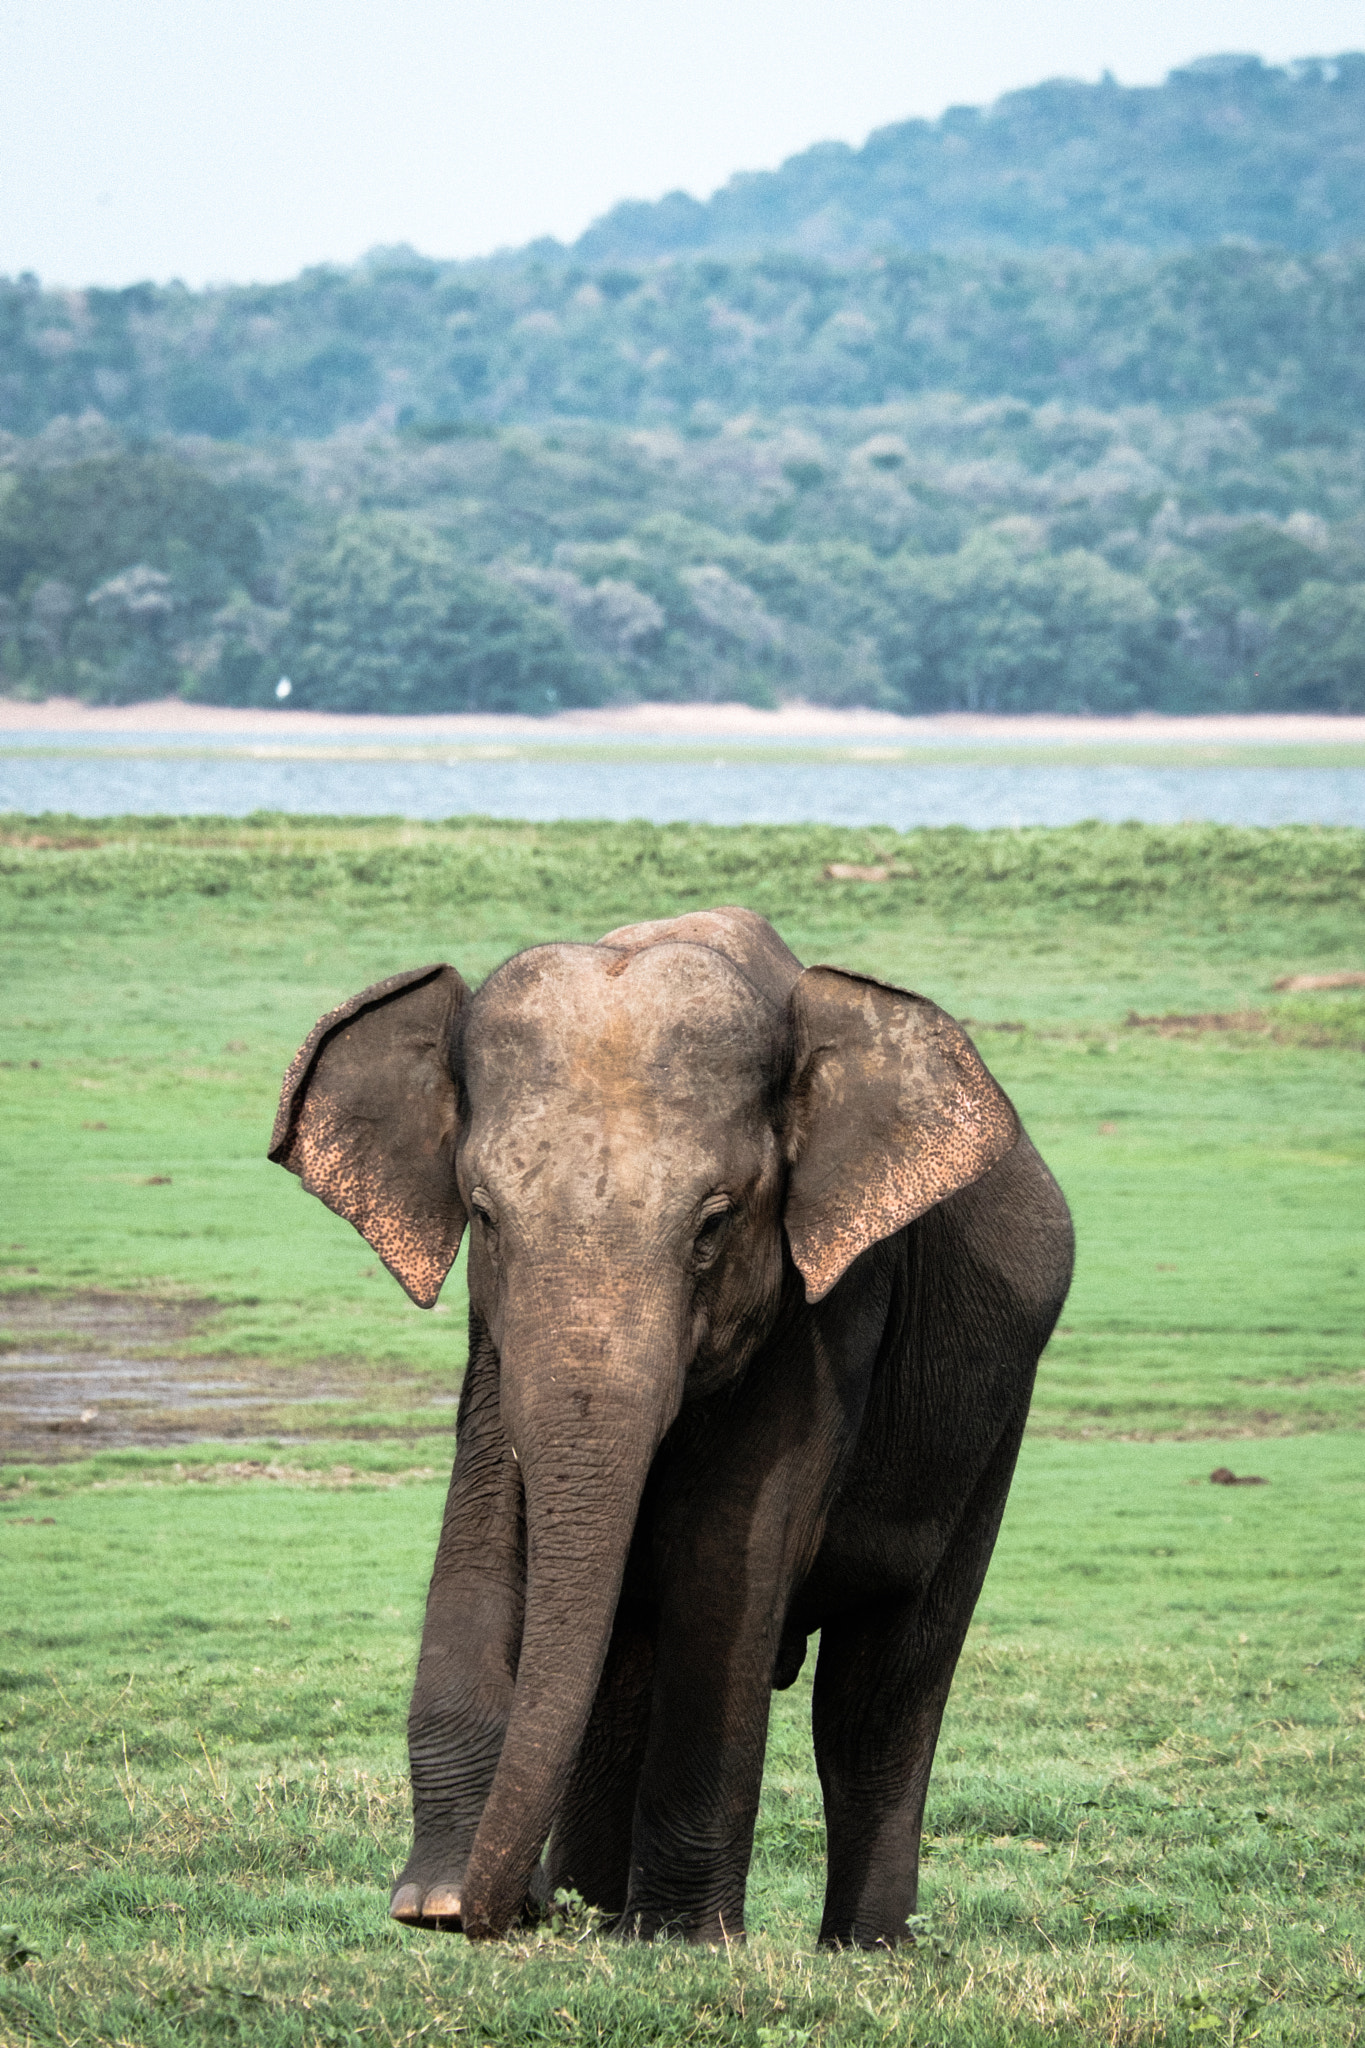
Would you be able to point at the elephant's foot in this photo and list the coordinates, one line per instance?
(426, 1905)
(427, 1890)
(867, 1930)
(866, 1938)
(702, 1930)
(422, 1900)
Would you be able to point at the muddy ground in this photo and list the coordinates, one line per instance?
(94, 1372)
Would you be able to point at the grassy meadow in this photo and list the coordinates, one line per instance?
(1147, 1823)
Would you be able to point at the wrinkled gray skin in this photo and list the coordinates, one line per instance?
(760, 1270)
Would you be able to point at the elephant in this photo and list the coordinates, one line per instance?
(761, 1264)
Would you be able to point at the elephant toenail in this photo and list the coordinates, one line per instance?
(406, 1903)
(441, 1903)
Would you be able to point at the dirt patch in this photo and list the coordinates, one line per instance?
(39, 842)
(242, 1470)
(1282, 1030)
(1299, 983)
(96, 1372)
(849, 871)
(1171, 1026)
(93, 1316)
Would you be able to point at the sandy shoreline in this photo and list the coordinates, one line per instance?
(65, 716)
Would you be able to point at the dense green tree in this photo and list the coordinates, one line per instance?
(385, 617)
(110, 562)
(86, 520)
(1269, 563)
(1316, 661)
(121, 644)
(993, 628)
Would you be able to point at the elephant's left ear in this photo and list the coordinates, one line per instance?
(892, 1111)
(368, 1121)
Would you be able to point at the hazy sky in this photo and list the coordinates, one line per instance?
(203, 140)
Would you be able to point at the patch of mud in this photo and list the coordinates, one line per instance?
(1208, 1020)
(336, 1478)
(134, 1321)
(96, 1372)
(1283, 1030)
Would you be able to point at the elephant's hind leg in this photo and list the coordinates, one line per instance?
(589, 1848)
(880, 1688)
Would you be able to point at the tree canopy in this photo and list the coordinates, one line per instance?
(386, 617)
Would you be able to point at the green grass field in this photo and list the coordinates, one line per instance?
(1147, 1823)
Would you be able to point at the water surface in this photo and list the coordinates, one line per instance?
(737, 784)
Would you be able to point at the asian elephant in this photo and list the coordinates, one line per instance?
(761, 1265)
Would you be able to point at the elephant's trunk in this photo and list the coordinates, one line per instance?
(585, 1425)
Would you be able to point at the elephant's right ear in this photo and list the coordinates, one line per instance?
(367, 1120)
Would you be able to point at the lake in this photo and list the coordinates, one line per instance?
(733, 782)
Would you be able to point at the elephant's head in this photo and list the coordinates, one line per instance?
(651, 1140)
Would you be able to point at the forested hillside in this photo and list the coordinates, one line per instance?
(1227, 147)
(935, 554)
(1012, 481)
(402, 341)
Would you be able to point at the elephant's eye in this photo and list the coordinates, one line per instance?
(710, 1232)
(478, 1203)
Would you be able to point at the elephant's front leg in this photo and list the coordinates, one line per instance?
(719, 1633)
(470, 1641)
(693, 1830)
